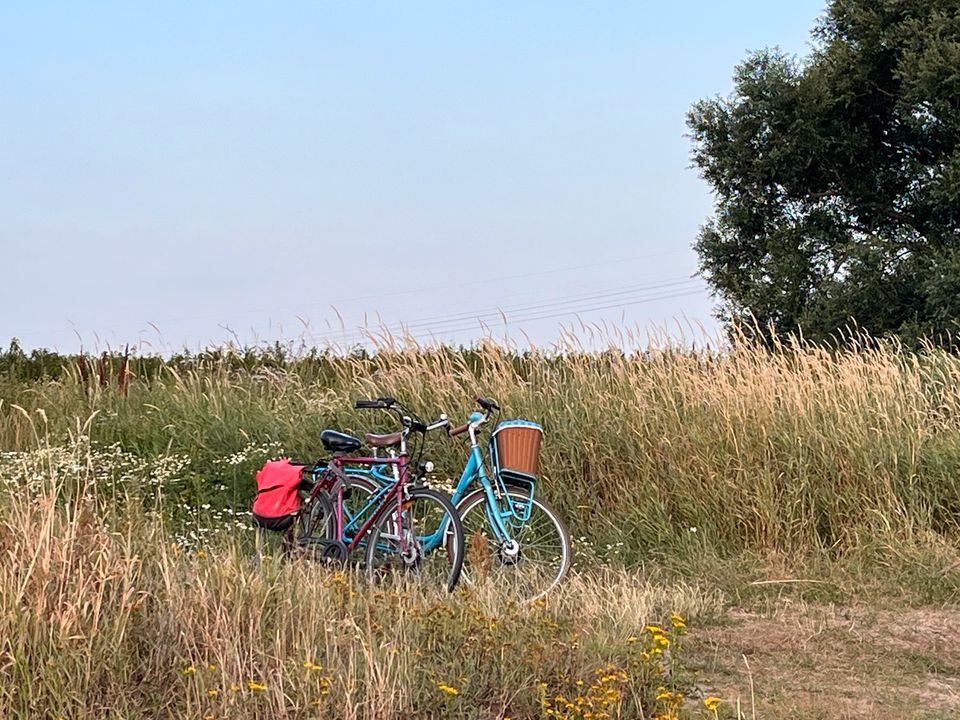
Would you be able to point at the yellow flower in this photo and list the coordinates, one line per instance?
(654, 629)
(256, 686)
(213, 692)
(235, 687)
(211, 666)
(631, 640)
(712, 703)
(448, 689)
(189, 670)
(201, 553)
(676, 619)
(311, 666)
(661, 640)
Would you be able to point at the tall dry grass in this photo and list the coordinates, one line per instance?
(797, 450)
(103, 616)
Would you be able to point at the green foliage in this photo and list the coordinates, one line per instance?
(102, 616)
(666, 454)
(838, 178)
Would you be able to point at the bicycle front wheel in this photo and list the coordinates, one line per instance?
(531, 563)
(422, 540)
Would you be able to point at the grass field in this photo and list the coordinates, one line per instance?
(776, 529)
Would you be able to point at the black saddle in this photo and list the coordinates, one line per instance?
(339, 442)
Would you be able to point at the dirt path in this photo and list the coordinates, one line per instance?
(831, 662)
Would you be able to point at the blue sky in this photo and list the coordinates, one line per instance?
(211, 169)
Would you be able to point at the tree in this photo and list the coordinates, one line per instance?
(837, 178)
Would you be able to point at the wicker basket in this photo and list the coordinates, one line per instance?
(515, 447)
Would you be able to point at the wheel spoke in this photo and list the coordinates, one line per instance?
(544, 551)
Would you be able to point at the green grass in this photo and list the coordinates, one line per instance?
(713, 484)
(798, 451)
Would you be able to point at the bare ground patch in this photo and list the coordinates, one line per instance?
(833, 662)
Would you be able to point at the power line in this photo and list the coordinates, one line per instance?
(537, 312)
(420, 290)
(638, 301)
(494, 312)
(439, 321)
(473, 326)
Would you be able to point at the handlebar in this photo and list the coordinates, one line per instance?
(409, 420)
(441, 422)
(453, 432)
(412, 423)
(382, 403)
(488, 404)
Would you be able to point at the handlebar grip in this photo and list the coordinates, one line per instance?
(368, 404)
(487, 403)
(453, 432)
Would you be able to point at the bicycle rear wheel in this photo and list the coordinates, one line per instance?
(399, 543)
(530, 567)
(313, 533)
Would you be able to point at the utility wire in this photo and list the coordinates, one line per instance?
(439, 321)
(473, 326)
(421, 290)
(525, 307)
(541, 311)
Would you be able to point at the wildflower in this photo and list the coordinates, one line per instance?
(213, 692)
(712, 703)
(235, 687)
(654, 629)
(211, 666)
(311, 666)
(448, 689)
(676, 619)
(631, 640)
(256, 686)
(189, 670)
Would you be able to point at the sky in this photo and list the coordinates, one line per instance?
(180, 174)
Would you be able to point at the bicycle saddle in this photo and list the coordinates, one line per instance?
(383, 441)
(339, 442)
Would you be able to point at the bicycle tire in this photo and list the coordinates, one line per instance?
(504, 570)
(313, 529)
(401, 546)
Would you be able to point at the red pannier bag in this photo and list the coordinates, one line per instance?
(277, 500)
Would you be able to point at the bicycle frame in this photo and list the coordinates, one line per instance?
(381, 500)
(474, 470)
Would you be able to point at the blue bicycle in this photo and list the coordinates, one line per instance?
(514, 538)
